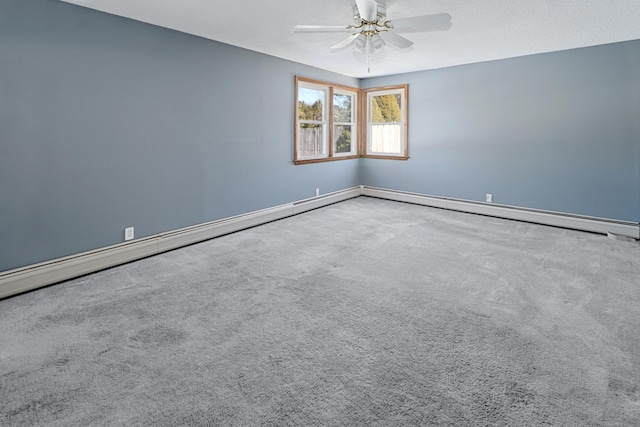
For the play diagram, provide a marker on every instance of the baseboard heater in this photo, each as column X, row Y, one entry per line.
column 23, row 279
column 557, row 219
column 20, row 280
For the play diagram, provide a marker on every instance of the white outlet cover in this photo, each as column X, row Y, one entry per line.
column 489, row 198
column 128, row 233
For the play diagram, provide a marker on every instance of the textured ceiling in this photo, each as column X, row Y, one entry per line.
column 482, row 30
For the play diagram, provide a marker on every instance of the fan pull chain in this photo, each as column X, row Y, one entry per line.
column 368, row 48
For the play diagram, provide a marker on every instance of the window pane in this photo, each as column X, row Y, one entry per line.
column 310, row 140
column 386, row 108
column 310, row 104
column 342, row 109
column 342, row 139
column 386, row 138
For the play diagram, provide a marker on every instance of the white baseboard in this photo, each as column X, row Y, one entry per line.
column 558, row 219
column 23, row 279
column 20, row 280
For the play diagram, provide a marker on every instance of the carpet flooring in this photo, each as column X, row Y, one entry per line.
column 363, row 313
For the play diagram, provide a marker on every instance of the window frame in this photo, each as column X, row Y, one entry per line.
column 367, row 96
column 354, row 123
column 327, row 122
column 361, row 115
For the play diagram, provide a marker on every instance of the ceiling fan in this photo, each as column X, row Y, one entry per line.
column 372, row 30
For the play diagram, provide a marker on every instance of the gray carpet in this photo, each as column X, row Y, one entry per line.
column 367, row 312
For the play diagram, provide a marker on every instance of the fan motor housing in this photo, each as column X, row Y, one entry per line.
column 382, row 12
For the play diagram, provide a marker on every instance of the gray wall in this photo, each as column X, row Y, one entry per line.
column 107, row 123
column 557, row 131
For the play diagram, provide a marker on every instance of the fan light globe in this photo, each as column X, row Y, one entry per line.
column 376, row 42
column 360, row 42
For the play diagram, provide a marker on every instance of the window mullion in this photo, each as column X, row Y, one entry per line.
column 330, row 121
column 362, row 122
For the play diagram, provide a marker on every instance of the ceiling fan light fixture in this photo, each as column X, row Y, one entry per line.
column 371, row 31
column 360, row 42
column 376, row 42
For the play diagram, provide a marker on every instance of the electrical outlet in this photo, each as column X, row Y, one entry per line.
column 128, row 233
column 317, row 191
column 489, row 198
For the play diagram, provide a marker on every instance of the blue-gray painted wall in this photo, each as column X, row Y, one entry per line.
column 557, row 131
column 107, row 123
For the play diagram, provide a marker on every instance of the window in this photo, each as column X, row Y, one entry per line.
column 312, row 121
column 336, row 122
column 386, row 130
column 345, row 126
column 325, row 112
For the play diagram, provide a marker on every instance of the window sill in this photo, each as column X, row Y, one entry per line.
column 364, row 156
column 374, row 156
column 325, row 159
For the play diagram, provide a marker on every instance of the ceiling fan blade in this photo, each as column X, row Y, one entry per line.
column 437, row 22
column 321, row 28
column 345, row 41
column 396, row 40
column 368, row 10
